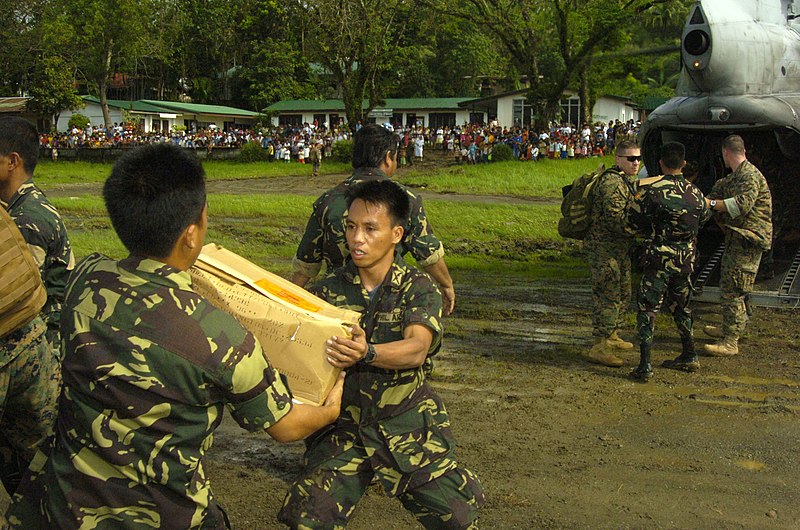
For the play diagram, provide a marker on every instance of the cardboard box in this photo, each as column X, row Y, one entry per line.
column 291, row 324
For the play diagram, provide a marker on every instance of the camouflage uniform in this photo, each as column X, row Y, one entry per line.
column 670, row 214
column 392, row 423
column 608, row 245
column 149, row 367
column 29, row 384
column 46, row 235
column 324, row 238
column 746, row 237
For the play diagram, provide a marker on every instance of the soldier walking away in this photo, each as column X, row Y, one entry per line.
column 669, row 215
column 742, row 204
column 37, row 219
column 148, row 368
column 374, row 158
column 393, row 425
column 316, row 157
column 608, row 245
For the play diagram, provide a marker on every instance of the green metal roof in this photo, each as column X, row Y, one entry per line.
column 198, row 108
column 651, row 102
column 328, row 105
column 153, row 105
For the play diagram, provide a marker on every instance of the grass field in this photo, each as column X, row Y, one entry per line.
column 489, row 235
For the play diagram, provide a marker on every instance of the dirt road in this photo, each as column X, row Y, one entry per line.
column 560, row 443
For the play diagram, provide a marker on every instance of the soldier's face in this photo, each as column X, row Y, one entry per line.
column 371, row 234
column 629, row 161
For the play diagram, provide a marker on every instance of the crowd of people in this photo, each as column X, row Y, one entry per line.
column 468, row 144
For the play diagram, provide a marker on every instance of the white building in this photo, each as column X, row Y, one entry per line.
column 157, row 116
column 429, row 112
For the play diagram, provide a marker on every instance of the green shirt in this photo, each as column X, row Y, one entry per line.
column 149, row 367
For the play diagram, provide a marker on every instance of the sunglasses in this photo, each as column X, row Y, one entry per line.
column 631, row 158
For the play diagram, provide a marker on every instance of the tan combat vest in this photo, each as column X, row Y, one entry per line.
column 22, row 294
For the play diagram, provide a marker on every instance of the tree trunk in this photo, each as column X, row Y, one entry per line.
column 583, row 93
column 102, row 85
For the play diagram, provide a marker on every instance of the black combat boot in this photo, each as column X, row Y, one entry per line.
column 644, row 371
column 686, row 361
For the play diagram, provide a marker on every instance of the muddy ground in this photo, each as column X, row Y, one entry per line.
column 560, row 443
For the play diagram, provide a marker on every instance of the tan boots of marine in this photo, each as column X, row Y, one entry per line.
column 725, row 348
column 601, row 353
column 616, row 342
column 714, row 331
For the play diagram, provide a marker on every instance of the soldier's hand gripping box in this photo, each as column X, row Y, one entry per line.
column 291, row 324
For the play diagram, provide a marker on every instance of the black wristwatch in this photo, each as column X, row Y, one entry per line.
column 369, row 357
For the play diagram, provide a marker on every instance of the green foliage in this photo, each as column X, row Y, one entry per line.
column 78, row 120
column 502, row 153
column 342, row 151
column 52, row 88
column 252, row 152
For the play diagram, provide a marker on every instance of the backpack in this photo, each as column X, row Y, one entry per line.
column 576, row 206
column 22, row 294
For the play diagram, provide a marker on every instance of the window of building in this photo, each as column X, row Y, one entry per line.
column 571, row 110
column 290, row 120
column 522, row 113
column 442, row 119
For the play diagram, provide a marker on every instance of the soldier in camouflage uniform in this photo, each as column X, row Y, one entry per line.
column 743, row 206
column 392, row 425
column 37, row 219
column 608, row 246
column 374, row 158
column 671, row 211
column 29, row 371
column 149, row 367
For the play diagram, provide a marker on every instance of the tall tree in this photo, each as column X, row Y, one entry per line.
column 52, row 88
column 360, row 43
column 551, row 41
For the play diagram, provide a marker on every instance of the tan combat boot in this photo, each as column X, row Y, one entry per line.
column 600, row 353
column 714, row 331
column 724, row 348
column 616, row 342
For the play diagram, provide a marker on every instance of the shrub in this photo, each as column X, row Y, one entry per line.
column 252, row 152
column 502, row 153
column 342, row 151
column 78, row 120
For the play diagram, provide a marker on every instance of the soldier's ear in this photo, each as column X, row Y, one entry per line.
column 397, row 233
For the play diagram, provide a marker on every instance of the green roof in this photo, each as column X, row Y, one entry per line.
column 136, row 106
column 328, row 105
column 651, row 102
column 198, row 108
column 152, row 105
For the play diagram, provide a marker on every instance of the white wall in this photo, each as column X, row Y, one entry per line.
column 93, row 111
column 607, row 109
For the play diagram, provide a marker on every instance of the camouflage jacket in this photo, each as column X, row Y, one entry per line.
column 399, row 418
column 612, row 200
column 669, row 214
column 748, row 189
column 18, row 340
column 149, row 367
column 46, row 235
column 324, row 238
column 407, row 296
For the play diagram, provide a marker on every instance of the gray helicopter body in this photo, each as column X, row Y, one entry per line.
column 740, row 74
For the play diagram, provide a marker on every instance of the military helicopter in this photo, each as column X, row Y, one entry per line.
column 740, row 75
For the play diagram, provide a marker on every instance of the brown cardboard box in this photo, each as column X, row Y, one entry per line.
column 291, row 324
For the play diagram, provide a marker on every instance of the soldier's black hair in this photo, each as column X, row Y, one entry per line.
column 383, row 192
column 673, row 155
column 371, row 144
column 18, row 135
column 153, row 193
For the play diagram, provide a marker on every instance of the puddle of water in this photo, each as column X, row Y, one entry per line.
column 751, row 465
column 748, row 380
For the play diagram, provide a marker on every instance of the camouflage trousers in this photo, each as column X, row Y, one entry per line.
column 610, row 268
column 737, row 277
column 657, row 285
column 29, row 388
column 415, row 463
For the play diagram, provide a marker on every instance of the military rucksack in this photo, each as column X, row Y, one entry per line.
column 576, row 206
column 22, row 294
